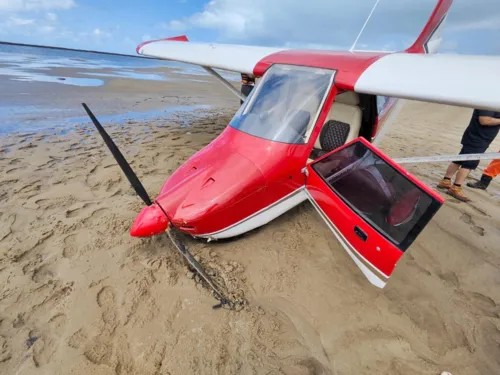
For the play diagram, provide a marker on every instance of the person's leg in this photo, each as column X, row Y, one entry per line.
column 456, row 189
column 445, row 182
column 461, row 176
column 491, row 171
column 246, row 90
column 452, row 169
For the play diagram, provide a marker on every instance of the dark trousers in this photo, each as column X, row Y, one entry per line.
column 246, row 90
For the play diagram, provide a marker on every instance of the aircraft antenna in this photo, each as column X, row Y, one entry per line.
column 363, row 28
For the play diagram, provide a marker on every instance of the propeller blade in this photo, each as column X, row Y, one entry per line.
column 124, row 165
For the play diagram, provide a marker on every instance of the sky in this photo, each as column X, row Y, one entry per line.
column 473, row 26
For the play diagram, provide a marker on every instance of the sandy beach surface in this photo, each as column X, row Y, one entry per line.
column 80, row 296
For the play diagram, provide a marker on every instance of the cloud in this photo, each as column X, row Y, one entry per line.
column 98, row 34
column 175, row 25
column 335, row 23
column 34, row 5
column 51, row 16
column 491, row 22
column 46, row 29
column 17, row 21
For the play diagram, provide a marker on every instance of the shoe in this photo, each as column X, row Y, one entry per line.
column 456, row 192
column 444, row 184
column 481, row 184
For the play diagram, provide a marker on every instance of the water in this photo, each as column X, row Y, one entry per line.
column 24, row 106
column 31, row 62
column 36, row 57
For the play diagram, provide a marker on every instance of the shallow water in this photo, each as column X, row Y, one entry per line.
column 23, row 107
column 55, row 124
column 17, row 74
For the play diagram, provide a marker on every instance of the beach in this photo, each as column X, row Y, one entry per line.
column 80, row 296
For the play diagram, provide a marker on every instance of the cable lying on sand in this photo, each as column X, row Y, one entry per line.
column 224, row 301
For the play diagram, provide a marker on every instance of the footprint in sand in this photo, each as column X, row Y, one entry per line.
column 5, row 352
column 70, row 249
column 467, row 219
column 106, row 300
column 48, row 339
column 43, row 274
column 97, row 214
column 109, row 347
column 99, row 349
column 484, row 304
column 78, row 209
column 6, row 226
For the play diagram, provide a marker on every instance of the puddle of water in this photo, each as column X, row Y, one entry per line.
column 130, row 74
column 21, row 75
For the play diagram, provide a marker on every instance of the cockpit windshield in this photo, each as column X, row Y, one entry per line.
column 285, row 104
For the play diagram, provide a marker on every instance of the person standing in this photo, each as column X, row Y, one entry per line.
column 247, row 84
column 491, row 171
column 482, row 130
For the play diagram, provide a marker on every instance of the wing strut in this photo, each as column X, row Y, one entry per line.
column 438, row 158
column 225, row 82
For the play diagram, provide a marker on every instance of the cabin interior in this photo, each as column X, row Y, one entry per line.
column 351, row 115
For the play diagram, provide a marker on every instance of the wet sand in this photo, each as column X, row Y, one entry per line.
column 80, row 296
column 25, row 102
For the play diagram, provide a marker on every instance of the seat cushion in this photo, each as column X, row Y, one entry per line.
column 333, row 135
column 347, row 114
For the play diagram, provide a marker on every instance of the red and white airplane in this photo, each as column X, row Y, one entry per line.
column 308, row 132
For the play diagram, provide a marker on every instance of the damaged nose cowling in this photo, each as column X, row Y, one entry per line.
column 150, row 221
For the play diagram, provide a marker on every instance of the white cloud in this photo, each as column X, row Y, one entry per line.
column 47, row 29
column 100, row 34
column 175, row 25
column 51, row 16
column 34, row 5
column 335, row 23
column 17, row 21
column 491, row 22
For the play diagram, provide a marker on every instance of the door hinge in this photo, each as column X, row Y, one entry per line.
column 305, row 171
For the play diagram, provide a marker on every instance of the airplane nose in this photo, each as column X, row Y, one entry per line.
column 150, row 221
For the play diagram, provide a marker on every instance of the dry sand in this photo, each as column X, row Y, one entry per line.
column 80, row 296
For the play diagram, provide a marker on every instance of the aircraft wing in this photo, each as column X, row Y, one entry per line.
column 462, row 80
column 236, row 58
column 418, row 73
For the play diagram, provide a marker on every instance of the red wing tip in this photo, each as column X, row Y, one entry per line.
column 180, row 38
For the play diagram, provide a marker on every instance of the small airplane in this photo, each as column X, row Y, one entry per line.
column 308, row 132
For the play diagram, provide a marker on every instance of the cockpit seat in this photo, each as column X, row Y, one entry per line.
column 342, row 124
column 333, row 135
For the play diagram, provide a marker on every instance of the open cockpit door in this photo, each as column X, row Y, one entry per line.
column 374, row 207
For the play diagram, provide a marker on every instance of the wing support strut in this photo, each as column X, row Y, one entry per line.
column 442, row 158
column 225, row 82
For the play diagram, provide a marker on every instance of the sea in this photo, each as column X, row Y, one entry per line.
column 20, row 64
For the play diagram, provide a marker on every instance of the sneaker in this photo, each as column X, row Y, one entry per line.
column 444, row 184
column 456, row 192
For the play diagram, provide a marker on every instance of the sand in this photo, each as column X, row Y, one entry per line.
column 80, row 296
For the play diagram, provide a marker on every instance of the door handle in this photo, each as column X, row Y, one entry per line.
column 360, row 233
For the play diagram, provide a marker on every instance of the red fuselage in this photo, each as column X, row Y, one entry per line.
column 234, row 176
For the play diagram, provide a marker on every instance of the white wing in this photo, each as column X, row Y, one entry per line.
column 461, row 80
column 236, row 58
